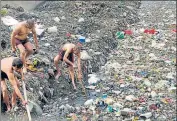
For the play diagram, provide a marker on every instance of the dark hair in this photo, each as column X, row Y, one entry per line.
column 30, row 22
column 17, row 62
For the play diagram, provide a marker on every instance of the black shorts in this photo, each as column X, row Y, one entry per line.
column 3, row 76
column 17, row 41
column 70, row 56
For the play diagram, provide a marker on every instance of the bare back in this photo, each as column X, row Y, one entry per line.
column 23, row 31
column 68, row 47
column 6, row 64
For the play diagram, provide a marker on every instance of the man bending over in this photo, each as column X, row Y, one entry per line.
column 66, row 53
column 8, row 66
column 19, row 40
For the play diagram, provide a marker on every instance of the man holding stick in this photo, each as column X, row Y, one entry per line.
column 8, row 67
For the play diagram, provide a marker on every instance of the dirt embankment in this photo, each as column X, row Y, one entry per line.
column 27, row 5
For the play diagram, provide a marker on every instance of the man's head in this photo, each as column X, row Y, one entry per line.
column 17, row 64
column 77, row 49
column 30, row 23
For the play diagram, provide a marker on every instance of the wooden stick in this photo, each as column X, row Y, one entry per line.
column 27, row 108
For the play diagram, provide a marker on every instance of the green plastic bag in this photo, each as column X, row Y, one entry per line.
column 120, row 35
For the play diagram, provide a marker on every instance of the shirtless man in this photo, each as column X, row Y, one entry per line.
column 19, row 40
column 8, row 66
column 67, row 54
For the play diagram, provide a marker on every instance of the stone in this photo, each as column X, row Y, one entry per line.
column 85, row 56
column 47, row 44
column 81, row 20
column 147, row 83
column 52, row 29
column 56, row 19
column 130, row 98
column 51, row 72
column 93, row 80
column 146, row 115
column 88, row 102
column 153, row 94
column 36, row 108
column 9, row 21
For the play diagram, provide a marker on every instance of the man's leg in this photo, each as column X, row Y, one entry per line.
column 71, row 72
column 29, row 49
column 14, row 95
column 22, row 56
column 56, row 61
column 5, row 94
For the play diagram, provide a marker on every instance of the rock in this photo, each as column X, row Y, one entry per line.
column 153, row 94
column 172, row 89
column 52, row 29
column 51, row 72
column 88, row 102
column 130, row 98
column 125, row 112
column 116, row 92
column 81, row 20
column 146, row 115
column 93, row 80
column 30, row 105
column 109, row 101
column 170, row 76
column 160, row 84
column 162, row 118
column 9, row 21
column 56, row 19
column 62, row 107
column 63, row 17
column 91, row 87
column 85, row 56
column 46, row 61
column 36, row 108
column 115, row 105
column 39, row 29
column 47, row 44
column 69, row 108
column 87, row 40
column 147, row 83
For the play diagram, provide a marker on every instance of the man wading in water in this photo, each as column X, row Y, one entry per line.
column 67, row 54
column 8, row 66
column 19, row 40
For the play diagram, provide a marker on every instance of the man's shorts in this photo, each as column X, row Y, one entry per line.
column 3, row 76
column 17, row 41
column 70, row 56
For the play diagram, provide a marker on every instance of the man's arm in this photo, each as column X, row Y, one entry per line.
column 14, row 33
column 14, row 84
column 79, row 63
column 66, row 59
column 35, row 37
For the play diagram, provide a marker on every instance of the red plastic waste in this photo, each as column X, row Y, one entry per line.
column 129, row 32
column 68, row 34
column 174, row 30
column 150, row 31
column 153, row 107
column 146, row 31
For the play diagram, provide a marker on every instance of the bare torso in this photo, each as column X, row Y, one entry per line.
column 68, row 47
column 24, row 31
column 6, row 64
